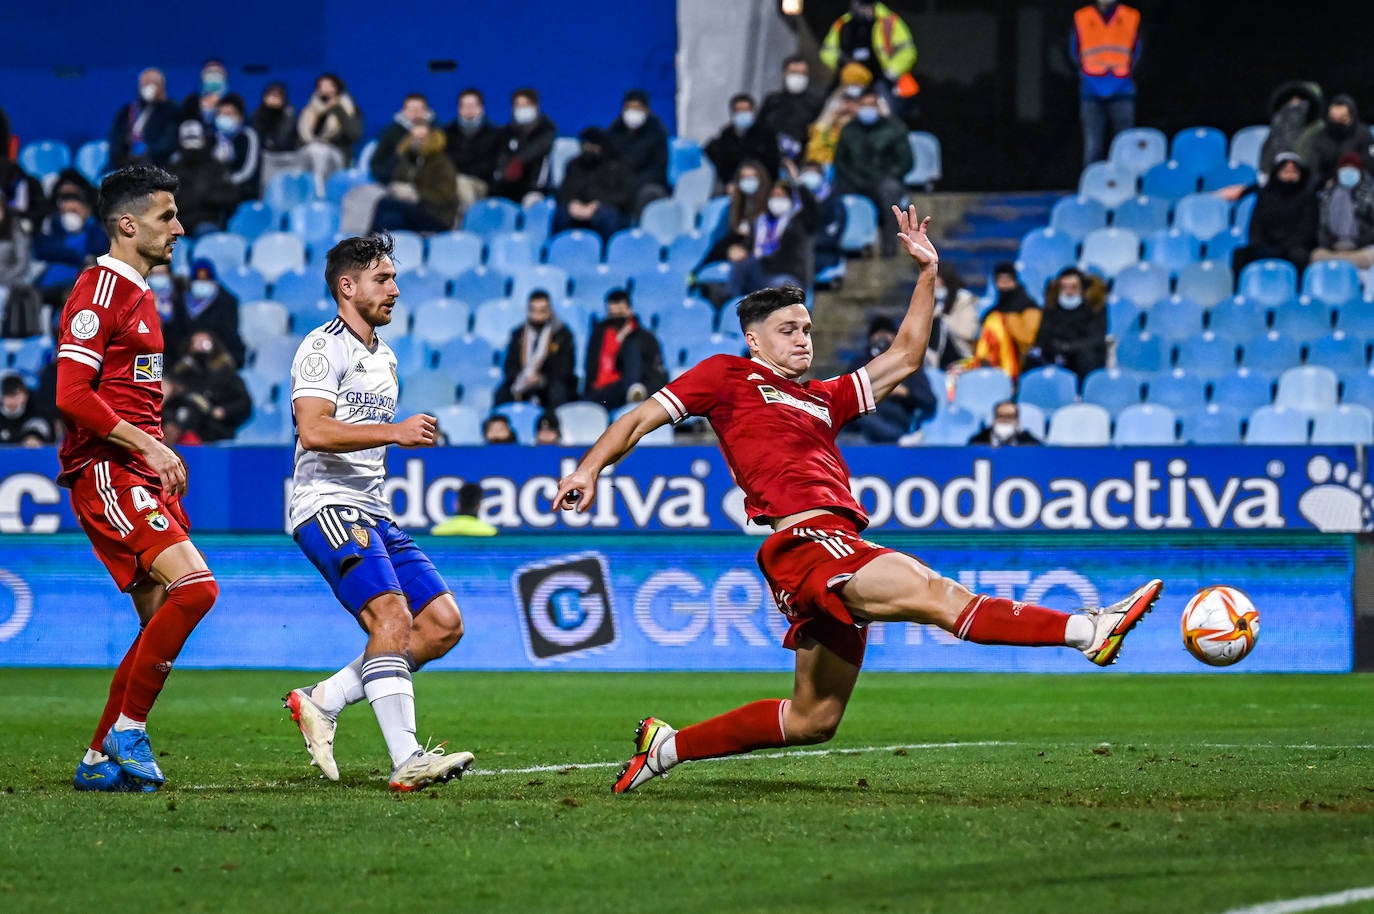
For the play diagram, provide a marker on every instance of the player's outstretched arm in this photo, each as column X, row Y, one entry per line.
column 908, row 349
column 320, row 431
column 615, row 442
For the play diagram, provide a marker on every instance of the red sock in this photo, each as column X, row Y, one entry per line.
column 997, row 620
column 188, row 600
column 118, row 684
column 757, row 725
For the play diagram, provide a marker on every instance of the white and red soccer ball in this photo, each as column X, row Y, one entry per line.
column 1220, row 625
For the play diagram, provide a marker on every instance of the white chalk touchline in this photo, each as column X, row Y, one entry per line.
column 1310, row 903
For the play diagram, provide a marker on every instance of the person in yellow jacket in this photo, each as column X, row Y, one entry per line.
column 1105, row 47
column 874, row 36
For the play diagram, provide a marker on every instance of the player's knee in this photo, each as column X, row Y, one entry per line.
column 387, row 616
column 817, row 725
column 195, row 594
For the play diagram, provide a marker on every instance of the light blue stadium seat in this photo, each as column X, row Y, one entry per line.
column 1245, row 389
column 1332, row 282
column 480, row 284
column 686, row 251
column 1228, row 175
column 661, row 284
column 287, row 189
column 1358, row 387
column 408, row 251
column 1345, row 424
column 427, row 391
column 952, row 427
column 712, row 217
column 1113, row 389
column 1080, row 425
column 1202, row 215
column 269, row 425
column 1237, row 318
column 1270, row 282
column 92, row 160
column 536, row 220
column 1270, row 352
column 421, row 286
column 1049, row 388
column 1198, row 150
column 1123, row 317
column 1107, row 182
column 44, row 157
column 573, row 249
column 494, row 320
column 565, row 149
column 551, row 279
column 1206, row 283
column 1246, row 144
column 1223, row 244
column 412, row 355
column 1340, row 352
column 1309, row 387
column 1179, row 389
column 1168, row 181
column 1357, row 319
column 468, row 358
column 314, row 220
column 254, row 218
column 338, row 184
column 580, row 424
column 364, row 162
column 1304, row 320
column 246, row 283
column 461, row 425
column 666, row 219
column 438, row 320
column 1213, row 423
column 1241, row 212
column 299, row 287
column 1035, row 275
column 400, row 321
column 694, row 187
column 1174, row 318
column 450, row 253
column 1171, row 249
column 1207, row 355
column 1142, row 283
column 632, row 250
column 1048, row 250
column 1075, row 217
column 1139, row 352
column 260, row 321
column 578, row 315
column 592, row 283
column 28, row 356
column 1142, row 215
column 928, row 160
column 491, row 216
column 306, row 316
column 1033, row 419
column 1139, row 149
column 1277, row 425
column 479, row 390
column 1145, row 424
column 275, row 355
column 980, row 389
column 275, row 253
column 684, row 154
column 263, row 388
column 860, row 224
column 689, row 322
column 227, row 252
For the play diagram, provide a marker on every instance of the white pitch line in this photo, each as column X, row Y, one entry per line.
column 1310, row 903
column 1356, row 746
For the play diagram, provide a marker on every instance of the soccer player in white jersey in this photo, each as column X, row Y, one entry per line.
column 343, row 393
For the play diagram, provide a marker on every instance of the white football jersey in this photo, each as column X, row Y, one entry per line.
column 333, row 364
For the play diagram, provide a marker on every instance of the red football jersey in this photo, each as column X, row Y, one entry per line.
column 777, row 435
column 111, row 338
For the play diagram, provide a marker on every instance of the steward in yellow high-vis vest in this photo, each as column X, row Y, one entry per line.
column 873, row 35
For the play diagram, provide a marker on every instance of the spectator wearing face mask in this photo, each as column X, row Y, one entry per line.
column 826, row 251
column 161, row 283
column 1005, row 430
column 21, row 422
column 624, row 358
column 145, row 130
column 1073, row 327
column 639, row 138
column 790, row 112
column 207, row 396
column 1009, row 327
column 909, row 405
column 784, row 241
column 203, row 305
column 954, row 327
column 1342, row 133
column 422, row 187
column 69, row 241
column 329, row 125
column 1295, row 110
column 598, row 189
column 540, row 358
column 749, row 193
column 414, row 110
column 274, row 121
column 473, row 146
column 526, row 144
column 207, row 195
column 872, row 160
column 1345, row 224
column 1284, row 222
column 236, row 145
column 839, row 110
column 744, row 139
column 203, row 104
column 22, row 308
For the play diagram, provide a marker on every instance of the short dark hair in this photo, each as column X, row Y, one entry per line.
column 525, row 92
column 618, row 295
column 12, row 384
column 741, row 97
column 494, row 418
column 335, row 79
column 540, row 293
column 128, row 190
column 1001, row 403
column 868, row 90
column 469, row 498
column 235, row 101
column 756, row 306
column 411, row 96
column 472, row 90
column 795, row 58
column 353, row 254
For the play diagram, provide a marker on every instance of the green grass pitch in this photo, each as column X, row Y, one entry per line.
column 1013, row 793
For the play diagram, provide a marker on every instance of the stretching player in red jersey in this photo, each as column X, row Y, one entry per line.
column 778, row 436
column 126, row 485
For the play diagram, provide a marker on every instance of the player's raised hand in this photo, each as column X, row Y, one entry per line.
column 419, row 430
column 576, row 492
column 169, row 467
column 911, row 231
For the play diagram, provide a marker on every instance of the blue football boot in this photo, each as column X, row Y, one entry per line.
column 133, row 752
column 104, row 776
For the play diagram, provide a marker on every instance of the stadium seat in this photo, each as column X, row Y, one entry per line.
column 364, row 161
column 1049, row 388
column 1345, row 424
column 1227, row 176
column 1179, row 389
column 491, row 216
column 1174, row 318
column 461, row 425
column 1173, row 250
column 1139, row 352
column 1302, row 320
column 1112, row 389
column 694, row 187
column 980, row 389
column 692, row 320
column 44, row 157
column 314, row 220
column 574, row 248
column 1033, row 419
column 952, row 427
column 480, row 284
column 1358, row 387
column 1206, row 283
column 1340, row 352
column 1211, row 424
column 422, row 285
column 591, row 284
column 1142, row 215
column 1245, row 390
column 1142, row 283
column 246, row 283
column 494, row 320
column 1107, row 182
column 1035, row 276
column 1081, row 425
column 298, row 288
column 1309, row 387
column 1198, row 150
column 438, row 320
column 263, row 388
column 1202, row 215
column 666, row 219
column 275, row 354
column 275, row 253
column 581, row 423
column 1207, row 355
column 1270, row 282
column 92, row 159
column 632, row 250
column 227, row 252
column 1332, row 282
column 1139, row 149
column 860, row 224
column 267, row 426
column 468, row 357
column 684, row 154
column 1144, row 424
column 479, row 390
column 260, row 321
column 659, row 285
column 450, row 253
column 1123, row 318
column 687, row 251
column 1168, row 181
column 1357, row 319
column 565, row 149
column 715, row 344
column 252, row 219
column 408, row 251
column 32, row 355
column 1223, row 244
column 306, row 316
column 1075, row 217
column 1246, row 144
column 1277, row 425
column 412, row 354
column 427, row 391
column 1048, row 250
column 1237, row 318
column 1241, row 212
column 337, row 185
column 1270, row 352
column 536, row 220
column 578, row 316
column 523, row 417
column 929, row 160
column 550, row 279
column 287, row 189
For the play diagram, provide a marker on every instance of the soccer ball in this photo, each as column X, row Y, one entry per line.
column 1220, row 626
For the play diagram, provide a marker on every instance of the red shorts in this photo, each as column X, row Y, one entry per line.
column 805, row 566
column 128, row 519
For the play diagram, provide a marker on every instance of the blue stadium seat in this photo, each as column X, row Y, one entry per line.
column 1302, row 320
column 1113, row 389
column 1048, row 250
column 1049, row 388
column 1241, row 212
column 1033, row 419
column 1332, row 282
column 275, row 354
column 1207, row 355
column 494, row 320
column 468, row 357
column 551, row 279
column 1108, row 182
column 227, row 252
column 1139, row 149
column 1139, row 352
column 1035, row 275
column 565, row 149
column 412, row 354
column 1345, row 424
column 288, row 188
column 684, row 154
column 1357, row 319
column 364, row 160
column 1202, row 215
column 491, row 216
column 694, row 187
column 860, row 224
column 269, row 425
column 461, row 425
column 253, row 218
column 1309, row 387
column 686, row 251
column 660, row 284
column 1237, row 318
column 1246, row 144
column 712, row 216
column 1142, row 215
column 1123, row 317
column 1270, row 352
column 306, row 316
column 580, row 424
column 980, row 389
column 408, row 251
column 1206, row 283
column 591, row 284
column 1227, row 176
column 92, row 159
column 1358, row 387
column 633, row 250
column 1245, row 389
column 450, row 253
column 666, row 219
column 44, row 157
column 1168, row 181
column 1340, row 352
column 952, row 427
column 578, row 316
column 1174, row 318
column 1270, row 282
column 260, row 321
column 400, row 320
column 480, row 284
column 427, row 391
column 536, row 220
column 1223, row 244
column 31, row 355
column 694, row 319
column 524, row 417
column 438, row 320
column 1211, row 424
column 299, row 287
column 574, row 248
column 1173, row 250
column 1145, row 424
column 1198, row 150
column 1142, row 283
column 422, row 285
column 479, row 390
column 1277, row 425
column 337, row 185
column 263, row 388
column 275, row 253
column 1077, row 216
column 716, row 344
column 1179, row 389
column 1080, row 425
column 314, row 220
column 246, row 283
column 928, row 158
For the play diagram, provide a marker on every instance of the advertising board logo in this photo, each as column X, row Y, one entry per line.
column 565, row 606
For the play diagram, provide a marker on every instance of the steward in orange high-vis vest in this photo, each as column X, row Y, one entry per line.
column 1105, row 47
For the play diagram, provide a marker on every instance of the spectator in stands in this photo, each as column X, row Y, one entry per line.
column 1104, row 47
column 145, row 130
column 784, row 242
column 1345, row 225
column 465, row 521
column 497, row 430
column 826, row 251
column 237, row 146
column 422, row 187
column 1005, row 430
column 274, row 121
column 639, row 138
column 1010, row 327
column 598, row 191
column 1343, row 132
column 162, row 284
column 872, row 160
column 21, row 421
column 1284, row 223
column 527, row 142
column 1073, row 326
column 70, row 240
column 23, row 196
column 208, row 398
column 207, row 195
column 22, row 309
column 749, row 193
column 548, row 430
column 330, row 124
column 624, row 359
column 911, row 402
column 744, row 139
column 473, row 144
column 790, row 112
column 1295, row 111
column 203, row 305
column 203, row 105
column 540, row 358
column 414, row 111
column 839, row 110
column 954, row 328
column 875, row 38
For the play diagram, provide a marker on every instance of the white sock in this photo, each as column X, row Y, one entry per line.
column 667, row 754
column 339, row 691
column 93, row 757
column 1079, row 632
column 388, row 686
column 125, row 723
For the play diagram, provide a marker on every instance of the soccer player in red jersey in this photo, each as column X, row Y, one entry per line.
column 126, row 484
column 778, row 436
